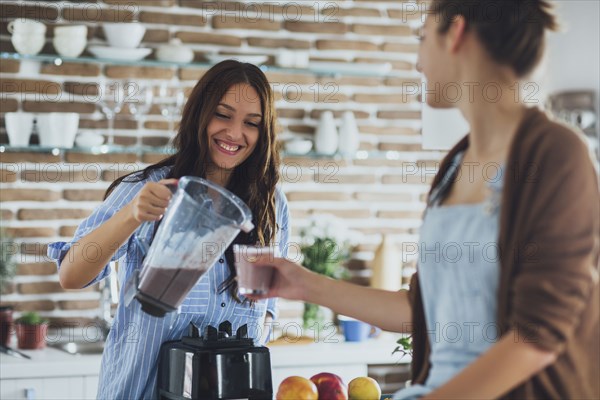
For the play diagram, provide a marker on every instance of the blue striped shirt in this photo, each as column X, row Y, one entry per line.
column 130, row 360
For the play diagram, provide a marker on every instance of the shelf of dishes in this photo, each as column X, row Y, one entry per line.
column 124, row 38
column 318, row 68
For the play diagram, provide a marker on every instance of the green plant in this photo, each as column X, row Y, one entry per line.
column 7, row 260
column 31, row 318
column 326, row 245
column 404, row 346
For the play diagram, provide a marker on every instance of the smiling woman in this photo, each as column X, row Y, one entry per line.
column 234, row 131
column 227, row 136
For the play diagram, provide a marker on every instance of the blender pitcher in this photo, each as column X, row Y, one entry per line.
column 201, row 221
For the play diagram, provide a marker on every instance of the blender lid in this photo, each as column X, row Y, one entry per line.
column 220, row 337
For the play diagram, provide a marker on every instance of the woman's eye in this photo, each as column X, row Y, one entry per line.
column 252, row 124
column 221, row 115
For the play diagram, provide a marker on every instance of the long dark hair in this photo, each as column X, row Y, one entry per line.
column 512, row 31
column 254, row 180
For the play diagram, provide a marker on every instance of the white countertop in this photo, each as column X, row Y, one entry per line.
column 48, row 362
column 52, row 362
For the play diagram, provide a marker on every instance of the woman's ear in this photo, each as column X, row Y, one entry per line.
column 456, row 34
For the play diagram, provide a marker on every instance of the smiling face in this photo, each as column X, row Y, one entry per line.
column 234, row 129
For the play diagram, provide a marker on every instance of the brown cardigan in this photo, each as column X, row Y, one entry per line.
column 549, row 248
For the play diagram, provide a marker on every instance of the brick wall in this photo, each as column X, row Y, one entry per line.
column 44, row 196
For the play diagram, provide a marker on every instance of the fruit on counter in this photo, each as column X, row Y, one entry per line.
column 330, row 386
column 297, row 388
column 364, row 388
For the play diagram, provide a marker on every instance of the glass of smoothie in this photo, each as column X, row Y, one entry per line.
column 253, row 273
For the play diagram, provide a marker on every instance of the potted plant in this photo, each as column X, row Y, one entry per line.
column 326, row 245
column 7, row 271
column 31, row 331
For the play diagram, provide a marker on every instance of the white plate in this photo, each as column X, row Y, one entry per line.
column 117, row 53
column 350, row 67
column 252, row 59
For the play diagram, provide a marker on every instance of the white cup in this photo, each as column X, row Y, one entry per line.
column 28, row 44
column 301, row 59
column 285, row 59
column 18, row 128
column 68, row 46
column 72, row 31
column 57, row 129
column 124, row 34
column 24, row 25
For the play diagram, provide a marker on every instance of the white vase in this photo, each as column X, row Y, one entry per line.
column 349, row 135
column 326, row 136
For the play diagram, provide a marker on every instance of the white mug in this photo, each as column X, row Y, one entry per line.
column 28, row 44
column 25, row 25
column 57, row 129
column 18, row 128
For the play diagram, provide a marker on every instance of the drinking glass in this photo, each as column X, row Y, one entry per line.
column 254, row 278
column 111, row 101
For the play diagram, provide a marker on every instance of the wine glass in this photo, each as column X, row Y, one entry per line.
column 111, row 103
column 172, row 108
column 138, row 99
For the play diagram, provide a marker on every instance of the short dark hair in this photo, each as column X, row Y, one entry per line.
column 512, row 31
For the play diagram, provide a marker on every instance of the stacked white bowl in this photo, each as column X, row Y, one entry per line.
column 126, row 35
column 70, row 41
column 28, row 35
column 123, row 39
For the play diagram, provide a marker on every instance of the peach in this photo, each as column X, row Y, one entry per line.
column 364, row 388
column 330, row 386
column 297, row 388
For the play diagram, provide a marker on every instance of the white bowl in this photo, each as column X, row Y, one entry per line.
column 89, row 139
column 57, row 129
column 246, row 58
column 298, row 146
column 28, row 44
column 68, row 46
column 72, row 31
column 18, row 128
column 119, row 54
column 124, row 34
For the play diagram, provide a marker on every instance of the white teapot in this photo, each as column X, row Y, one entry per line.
column 175, row 51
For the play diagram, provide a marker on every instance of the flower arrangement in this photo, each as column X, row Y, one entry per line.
column 326, row 243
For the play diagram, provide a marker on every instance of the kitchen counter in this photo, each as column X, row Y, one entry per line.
column 52, row 362
column 337, row 351
column 55, row 368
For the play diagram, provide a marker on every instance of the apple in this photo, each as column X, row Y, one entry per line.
column 297, row 388
column 364, row 388
column 330, row 386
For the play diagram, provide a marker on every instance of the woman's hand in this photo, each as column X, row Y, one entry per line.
column 151, row 202
column 290, row 280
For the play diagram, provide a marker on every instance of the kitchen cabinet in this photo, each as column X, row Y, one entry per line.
column 45, row 388
column 50, row 374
